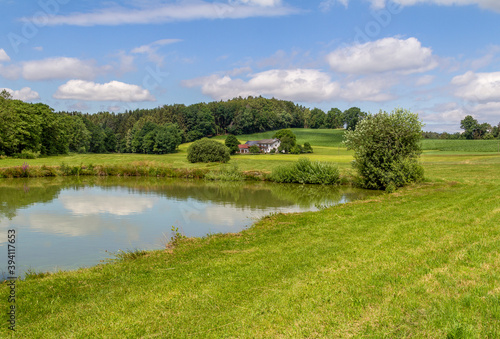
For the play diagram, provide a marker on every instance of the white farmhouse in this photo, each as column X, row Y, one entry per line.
column 265, row 145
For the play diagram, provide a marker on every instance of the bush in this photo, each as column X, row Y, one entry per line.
column 254, row 149
column 307, row 148
column 206, row 150
column 305, row 171
column 297, row 149
column 386, row 149
column 27, row 154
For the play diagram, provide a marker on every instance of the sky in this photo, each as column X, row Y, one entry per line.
column 437, row 58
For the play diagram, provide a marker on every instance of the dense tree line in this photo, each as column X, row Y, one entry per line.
column 37, row 128
column 473, row 130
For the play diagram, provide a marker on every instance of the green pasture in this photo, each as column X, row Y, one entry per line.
column 326, row 143
column 423, row 262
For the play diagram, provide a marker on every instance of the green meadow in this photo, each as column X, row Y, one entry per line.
column 423, row 262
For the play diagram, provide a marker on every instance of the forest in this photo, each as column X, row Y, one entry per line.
column 29, row 130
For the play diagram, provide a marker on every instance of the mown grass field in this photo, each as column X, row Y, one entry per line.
column 327, row 145
column 461, row 145
column 423, row 262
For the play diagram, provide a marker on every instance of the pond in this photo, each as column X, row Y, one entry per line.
column 67, row 223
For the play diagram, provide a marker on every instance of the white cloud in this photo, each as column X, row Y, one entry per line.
column 117, row 205
column 111, row 91
column 265, row 3
column 388, row 54
column 179, row 11
column 308, row 85
column 303, row 85
column 425, row 80
column 11, row 71
column 79, row 106
column 62, row 68
column 486, row 4
column 487, row 112
column 24, row 94
column 446, row 117
column 375, row 89
column 114, row 108
column 450, row 113
column 151, row 49
column 478, row 87
column 326, row 5
column 3, row 56
column 240, row 70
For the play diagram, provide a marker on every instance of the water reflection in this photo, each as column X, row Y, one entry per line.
column 88, row 202
column 71, row 222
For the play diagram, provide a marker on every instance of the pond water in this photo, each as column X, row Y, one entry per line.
column 67, row 223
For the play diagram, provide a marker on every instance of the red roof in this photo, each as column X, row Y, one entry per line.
column 243, row 146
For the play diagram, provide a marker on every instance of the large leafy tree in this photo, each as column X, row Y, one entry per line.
column 143, row 136
column 286, row 144
column 199, row 122
column 469, row 125
column 33, row 127
column 54, row 137
column 97, row 137
column 20, row 127
column 77, row 133
column 386, row 149
column 232, row 143
column 285, row 133
column 352, row 117
column 167, row 139
column 495, row 131
column 317, row 118
column 334, row 118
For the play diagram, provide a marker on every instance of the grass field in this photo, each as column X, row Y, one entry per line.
column 316, row 137
column 462, row 145
column 327, row 145
column 423, row 262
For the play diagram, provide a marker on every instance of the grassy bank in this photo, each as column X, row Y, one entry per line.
column 424, row 262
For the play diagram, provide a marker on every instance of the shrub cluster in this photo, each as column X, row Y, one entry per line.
column 206, row 150
column 27, row 154
column 305, row 171
column 386, row 150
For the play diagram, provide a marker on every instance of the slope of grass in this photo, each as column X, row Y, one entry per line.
column 316, row 137
column 461, row 145
column 334, row 138
column 423, row 262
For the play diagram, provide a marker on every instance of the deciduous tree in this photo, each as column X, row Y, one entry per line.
column 386, row 149
column 232, row 143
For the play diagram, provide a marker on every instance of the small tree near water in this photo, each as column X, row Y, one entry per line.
column 386, row 149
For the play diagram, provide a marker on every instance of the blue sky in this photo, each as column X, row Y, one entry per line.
column 439, row 58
